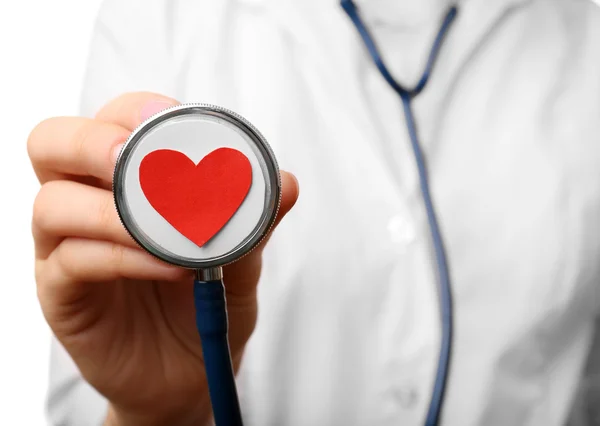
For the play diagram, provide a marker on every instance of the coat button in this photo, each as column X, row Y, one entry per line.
column 401, row 230
column 406, row 397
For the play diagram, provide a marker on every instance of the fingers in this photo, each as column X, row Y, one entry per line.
column 79, row 260
column 70, row 209
column 131, row 109
column 81, row 236
column 63, row 147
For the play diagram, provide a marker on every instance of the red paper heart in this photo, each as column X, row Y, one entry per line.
column 197, row 200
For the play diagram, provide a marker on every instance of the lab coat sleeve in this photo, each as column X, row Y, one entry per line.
column 128, row 53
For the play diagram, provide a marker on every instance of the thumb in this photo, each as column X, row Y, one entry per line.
column 244, row 274
column 290, row 190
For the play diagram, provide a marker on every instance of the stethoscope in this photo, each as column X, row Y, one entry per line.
column 198, row 186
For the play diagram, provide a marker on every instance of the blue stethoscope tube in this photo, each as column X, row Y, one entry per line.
column 209, row 296
column 211, row 321
column 445, row 289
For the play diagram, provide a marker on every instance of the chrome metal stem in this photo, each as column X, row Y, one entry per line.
column 209, row 274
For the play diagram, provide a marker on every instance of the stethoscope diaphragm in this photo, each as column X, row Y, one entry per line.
column 197, row 186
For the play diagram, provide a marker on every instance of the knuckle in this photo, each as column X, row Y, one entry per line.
column 36, row 138
column 45, row 282
column 79, row 141
column 117, row 254
column 64, row 258
column 41, row 281
column 120, row 105
column 39, row 273
column 42, row 216
column 106, row 213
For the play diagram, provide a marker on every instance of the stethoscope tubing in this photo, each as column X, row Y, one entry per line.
column 444, row 283
column 212, row 324
column 209, row 296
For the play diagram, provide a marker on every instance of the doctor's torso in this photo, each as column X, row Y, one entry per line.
column 348, row 330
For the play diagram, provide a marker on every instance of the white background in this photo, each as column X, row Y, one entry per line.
column 43, row 45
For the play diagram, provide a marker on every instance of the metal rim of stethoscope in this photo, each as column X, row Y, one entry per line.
column 264, row 155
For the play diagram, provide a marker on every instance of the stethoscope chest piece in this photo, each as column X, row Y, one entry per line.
column 197, row 186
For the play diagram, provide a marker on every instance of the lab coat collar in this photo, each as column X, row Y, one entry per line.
column 475, row 18
column 409, row 14
column 393, row 12
column 475, row 22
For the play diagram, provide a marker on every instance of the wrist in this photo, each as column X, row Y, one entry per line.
column 120, row 417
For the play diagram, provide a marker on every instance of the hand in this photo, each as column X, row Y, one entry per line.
column 126, row 318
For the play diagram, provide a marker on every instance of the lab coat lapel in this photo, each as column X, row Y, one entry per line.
column 475, row 23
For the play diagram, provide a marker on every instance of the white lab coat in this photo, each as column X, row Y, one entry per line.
column 348, row 330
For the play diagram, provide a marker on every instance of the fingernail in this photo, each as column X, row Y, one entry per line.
column 153, row 107
column 115, row 152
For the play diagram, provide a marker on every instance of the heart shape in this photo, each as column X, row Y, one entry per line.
column 197, row 200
